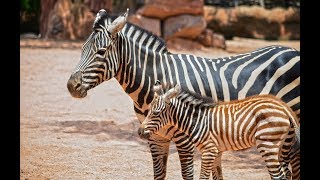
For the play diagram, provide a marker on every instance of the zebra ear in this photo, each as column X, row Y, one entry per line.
column 118, row 23
column 99, row 22
column 173, row 92
column 157, row 88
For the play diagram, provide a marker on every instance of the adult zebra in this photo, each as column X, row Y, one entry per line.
column 136, row 58
column 263, row 121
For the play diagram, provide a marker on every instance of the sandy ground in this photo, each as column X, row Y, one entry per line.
column 96, row 137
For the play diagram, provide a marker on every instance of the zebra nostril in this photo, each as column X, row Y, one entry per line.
column 77, row 86
column 140, row 131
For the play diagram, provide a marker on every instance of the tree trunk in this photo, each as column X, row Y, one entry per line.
column 96, row 5
column 69, row 19
column 46, row 8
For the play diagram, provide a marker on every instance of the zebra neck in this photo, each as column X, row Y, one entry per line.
column 140, row 53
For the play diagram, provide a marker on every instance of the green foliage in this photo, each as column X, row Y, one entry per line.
column 30, row 5
column 29, row 16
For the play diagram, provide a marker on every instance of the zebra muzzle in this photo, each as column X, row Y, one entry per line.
column 75, row 86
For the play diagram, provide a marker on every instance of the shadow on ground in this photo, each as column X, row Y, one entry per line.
column 111, row 130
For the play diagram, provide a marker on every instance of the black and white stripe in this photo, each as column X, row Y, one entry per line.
column 136, row 58
column 263, row 121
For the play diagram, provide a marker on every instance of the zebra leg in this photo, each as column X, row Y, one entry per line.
column 159, row 148
column 290, row 154
column 295, row 158
column 216, row 170
column 209, row 154
column 295, row 165
column 285, row 159
column 185, row 148
column 271, row 154
column 218, row 166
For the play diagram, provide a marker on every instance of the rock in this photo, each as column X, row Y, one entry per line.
column 166, row 8
column 210, row 39
column 223, row 16
column 206, row 38
column 218, row 41
column 186, row 26
column 183, row 44
column 96, row 5
column 67, row 20
column 29, row 36
column 254, row 22
column 150, row 24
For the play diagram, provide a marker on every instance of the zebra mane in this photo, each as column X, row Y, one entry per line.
column 186, row 96
column 162, row 42
column 104, row 19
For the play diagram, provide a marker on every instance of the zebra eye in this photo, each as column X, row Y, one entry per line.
column 101, row 52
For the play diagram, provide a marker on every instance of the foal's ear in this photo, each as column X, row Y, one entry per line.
column 173, row 92
column 157, row 88
column 118, row 23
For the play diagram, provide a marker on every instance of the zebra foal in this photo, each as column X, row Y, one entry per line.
column 263, row 121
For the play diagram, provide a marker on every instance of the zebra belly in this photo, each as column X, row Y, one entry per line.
column 236, row 145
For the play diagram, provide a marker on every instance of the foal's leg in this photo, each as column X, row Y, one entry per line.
column 217, row 165
column 209, row 154
column 270, row 154
column 295, row 165
column 295, row 159
column 185, row 148
column 159, row 148
column 290, row 154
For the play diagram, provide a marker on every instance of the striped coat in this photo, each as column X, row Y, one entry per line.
column 136, row 58
column 263, row 121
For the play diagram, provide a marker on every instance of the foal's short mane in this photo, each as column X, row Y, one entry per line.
column 189, row 97
column 192, row 98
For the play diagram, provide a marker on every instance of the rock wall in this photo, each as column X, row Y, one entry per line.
column 66, row 19
column 254, row 22
column 179, row 21
column 163, row 9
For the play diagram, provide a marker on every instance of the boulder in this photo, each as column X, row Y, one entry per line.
column 205, row 38
column 150, row 24
column 65, row 19
column 183, row 44
column 218, row 41
column 96, row 5
column 166, row 8
column 254, row 22
column 185, row 26
column 210, row 39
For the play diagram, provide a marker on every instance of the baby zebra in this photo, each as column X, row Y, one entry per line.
column 263, row 121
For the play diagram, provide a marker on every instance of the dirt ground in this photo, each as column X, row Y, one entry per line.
column 96, row 137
